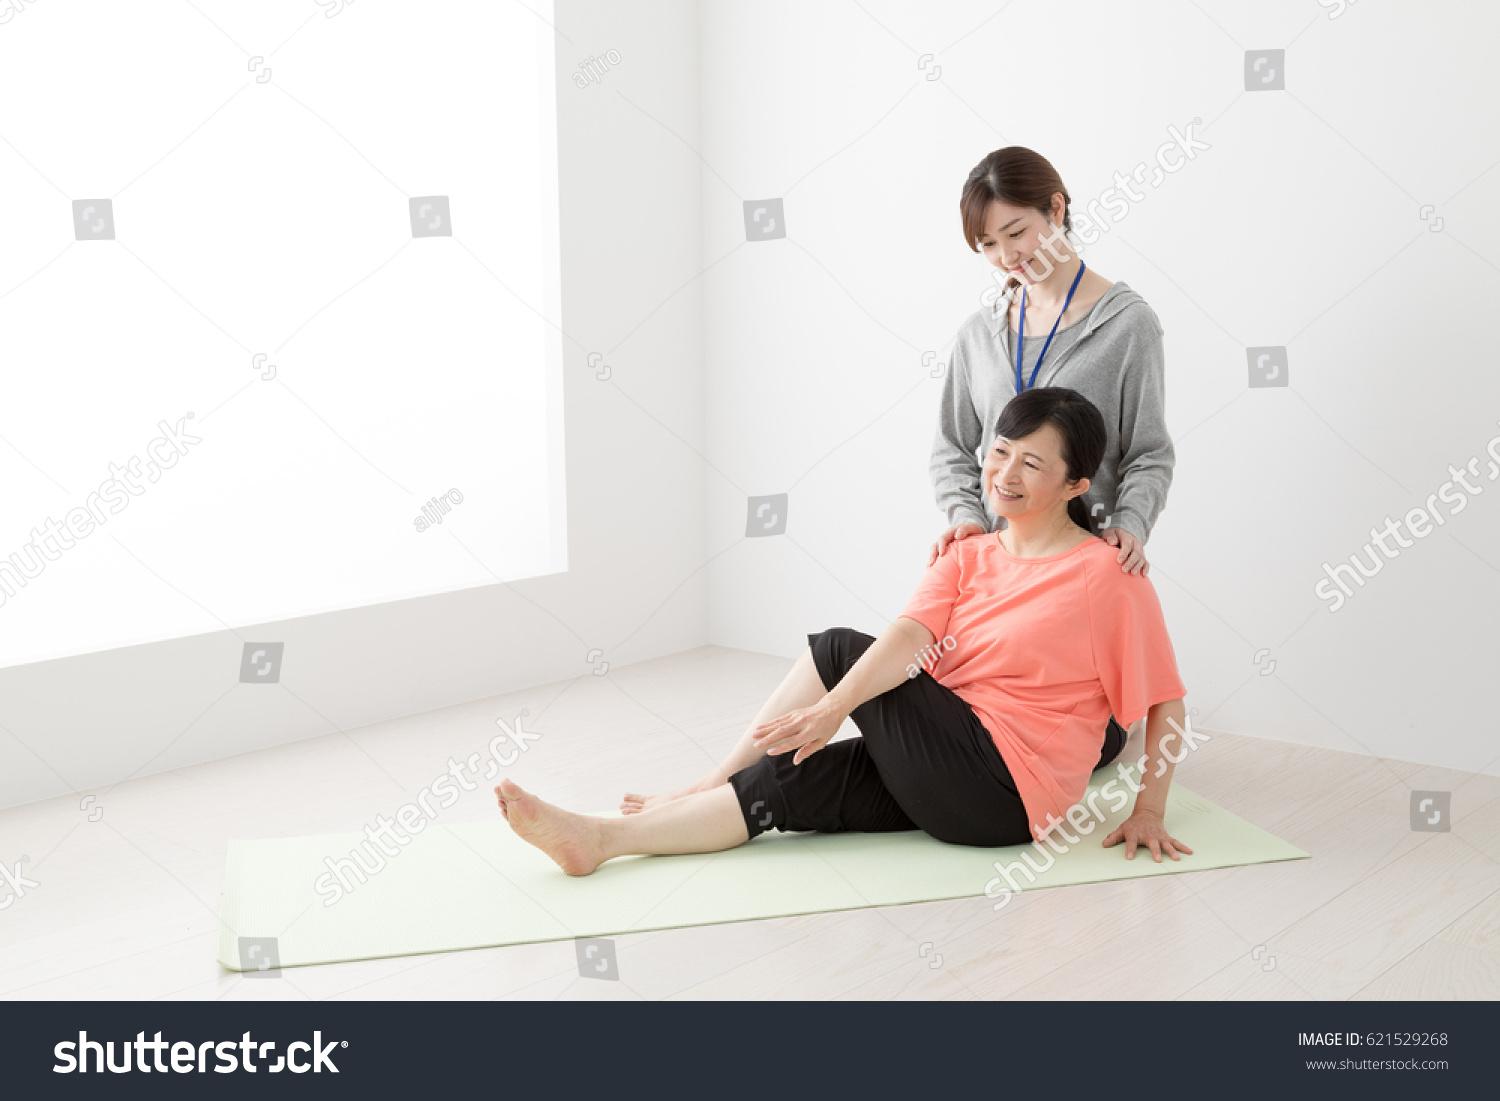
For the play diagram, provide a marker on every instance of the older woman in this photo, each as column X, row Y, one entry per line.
column 981, row 709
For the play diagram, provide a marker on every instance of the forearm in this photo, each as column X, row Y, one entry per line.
column 956, row 489
column 883, row 666
column 1142, row 494
column 953, row 466
column 1156, row 776
column 1147, row 455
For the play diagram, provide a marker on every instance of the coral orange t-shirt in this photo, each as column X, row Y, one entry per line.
column 1044, row 650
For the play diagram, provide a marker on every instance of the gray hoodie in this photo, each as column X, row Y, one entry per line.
column 1114, row 358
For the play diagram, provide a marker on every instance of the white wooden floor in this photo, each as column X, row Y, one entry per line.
column 127, row 904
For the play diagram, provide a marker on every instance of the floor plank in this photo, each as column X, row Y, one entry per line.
column 127, row 902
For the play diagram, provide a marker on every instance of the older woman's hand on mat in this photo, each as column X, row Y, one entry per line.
column 1146, row 828
column 1132, row 556
column 958, row 531
column 806, row 729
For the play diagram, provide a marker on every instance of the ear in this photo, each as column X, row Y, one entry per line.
column 1079, row 488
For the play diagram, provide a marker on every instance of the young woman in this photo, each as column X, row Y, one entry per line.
column 1056, row 322
column 1080, row 330
column 980, row 708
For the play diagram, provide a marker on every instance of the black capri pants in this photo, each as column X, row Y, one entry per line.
column 923, row 761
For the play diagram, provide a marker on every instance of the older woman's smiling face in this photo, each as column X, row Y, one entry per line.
column 1028, row 476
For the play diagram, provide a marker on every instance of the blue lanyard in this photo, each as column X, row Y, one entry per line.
column 1021, row 336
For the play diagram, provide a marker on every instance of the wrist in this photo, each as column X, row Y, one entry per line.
column 835, row 704
column 1130, row 525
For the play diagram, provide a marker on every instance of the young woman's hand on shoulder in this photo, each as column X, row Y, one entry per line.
column 1132, row 556
column 958, row 531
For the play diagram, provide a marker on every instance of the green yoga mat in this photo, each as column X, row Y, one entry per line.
column 477, row 885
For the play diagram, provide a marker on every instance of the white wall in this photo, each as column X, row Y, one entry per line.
column 635, row 490
column 796, row 365
column 1300, row 227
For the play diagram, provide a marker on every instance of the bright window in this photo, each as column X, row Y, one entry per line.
column 331, row 240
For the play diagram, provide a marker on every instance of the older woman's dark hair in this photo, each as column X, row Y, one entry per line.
column 1076, row 419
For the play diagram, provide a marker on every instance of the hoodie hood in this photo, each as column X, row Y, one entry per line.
column 1117, row 298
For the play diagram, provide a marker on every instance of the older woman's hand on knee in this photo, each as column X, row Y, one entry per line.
column 805, row 729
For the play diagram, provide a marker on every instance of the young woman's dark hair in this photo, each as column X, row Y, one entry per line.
column 1076, row 419
column 1016, row 176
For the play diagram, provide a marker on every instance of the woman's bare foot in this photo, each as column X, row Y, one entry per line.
column 569, row 839
column 634, row 804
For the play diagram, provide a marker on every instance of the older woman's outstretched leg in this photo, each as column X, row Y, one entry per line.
column 928, row 740
column 802, row 687
column 702, row 822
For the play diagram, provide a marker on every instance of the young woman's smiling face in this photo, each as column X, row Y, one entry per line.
column 1015, row 236
column 1028, row 476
